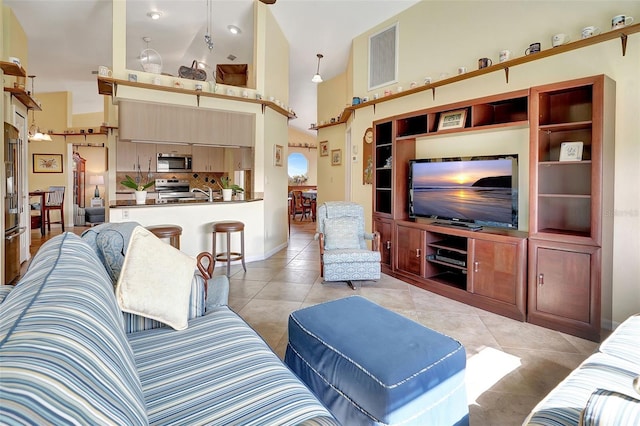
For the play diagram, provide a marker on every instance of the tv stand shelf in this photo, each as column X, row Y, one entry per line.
column 486, row 268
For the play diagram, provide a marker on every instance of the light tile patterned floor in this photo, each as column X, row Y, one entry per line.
column 511, row 365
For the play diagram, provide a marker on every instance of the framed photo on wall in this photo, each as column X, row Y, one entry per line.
column 324, row 148
column 452, row 119
column 47, row 163
column 277, row 155
column 336, row 157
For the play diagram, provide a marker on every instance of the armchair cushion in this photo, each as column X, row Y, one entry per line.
column 341, row 233
column 162, row 291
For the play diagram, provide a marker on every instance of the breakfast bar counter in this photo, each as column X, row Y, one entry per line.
column 196, row 218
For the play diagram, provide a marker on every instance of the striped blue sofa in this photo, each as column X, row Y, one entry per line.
column 65, row 358
column 603, row 390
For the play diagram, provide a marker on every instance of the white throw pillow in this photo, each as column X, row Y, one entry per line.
column 155, row 280
column 341, row 233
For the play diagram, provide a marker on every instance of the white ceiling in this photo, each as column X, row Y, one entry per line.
column 68, row 39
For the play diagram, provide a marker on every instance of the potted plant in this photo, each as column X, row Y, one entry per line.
column 138, row 186
column 228, row 188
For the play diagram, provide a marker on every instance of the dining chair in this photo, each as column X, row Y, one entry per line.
column 301, row 205
column 54, row 201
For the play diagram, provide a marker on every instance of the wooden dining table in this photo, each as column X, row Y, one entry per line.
column 41, row 195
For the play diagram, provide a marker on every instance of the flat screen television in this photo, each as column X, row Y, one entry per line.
column 473, row 192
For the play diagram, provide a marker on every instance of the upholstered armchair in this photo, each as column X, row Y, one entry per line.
column 344, row 255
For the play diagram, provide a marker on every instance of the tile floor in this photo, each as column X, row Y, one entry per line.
column 510, row 365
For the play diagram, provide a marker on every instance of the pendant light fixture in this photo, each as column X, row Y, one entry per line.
column 34, row 133
column 316, row 78
column 208, row 39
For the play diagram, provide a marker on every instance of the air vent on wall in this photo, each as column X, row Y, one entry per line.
column 383, row 57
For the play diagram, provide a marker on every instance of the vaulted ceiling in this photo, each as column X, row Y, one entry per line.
column 68, row 39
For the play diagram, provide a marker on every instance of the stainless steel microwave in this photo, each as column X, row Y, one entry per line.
column 174, row 163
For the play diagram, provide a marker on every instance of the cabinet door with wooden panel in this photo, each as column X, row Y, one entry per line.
column 493, row 270
column 208, row 159
column 498, row 272
column 131, row 156
column 146, row 156
column 126, row 160
column 385, row 228
column 210, row 127
column 170, row 148
column 242, row 129
column 410, row 249
column 564, row 287
column 242, row 158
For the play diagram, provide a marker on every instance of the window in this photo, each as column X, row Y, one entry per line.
column 383, row 57
column 298, row 169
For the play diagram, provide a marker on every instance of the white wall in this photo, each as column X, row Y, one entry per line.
column 438, row 36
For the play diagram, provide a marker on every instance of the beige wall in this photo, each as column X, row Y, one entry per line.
column 52, row 117
column 431, row 43
column 14, row 41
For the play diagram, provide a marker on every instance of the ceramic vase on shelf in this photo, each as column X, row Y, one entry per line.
column 226, row 194
column 141, row 197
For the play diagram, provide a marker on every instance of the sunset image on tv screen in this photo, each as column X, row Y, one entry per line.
column 467, row 190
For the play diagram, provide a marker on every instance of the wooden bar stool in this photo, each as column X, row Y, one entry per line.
column 228, row 226
column 172, row 232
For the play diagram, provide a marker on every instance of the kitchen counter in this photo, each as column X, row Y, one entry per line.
column 175, row 202
column 196, row 218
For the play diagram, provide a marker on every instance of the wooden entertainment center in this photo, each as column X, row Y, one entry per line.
column 558, row 274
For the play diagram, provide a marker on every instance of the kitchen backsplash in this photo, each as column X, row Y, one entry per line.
column 196, row 180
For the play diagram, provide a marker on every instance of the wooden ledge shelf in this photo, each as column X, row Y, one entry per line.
column 109, row 87
column 24, row 98
column 621, row 33
column 9, row 68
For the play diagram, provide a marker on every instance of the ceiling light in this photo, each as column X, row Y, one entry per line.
column 154, row 14
column 208, row 40
column 34, row 134
column 316, row 78
column 234, row 30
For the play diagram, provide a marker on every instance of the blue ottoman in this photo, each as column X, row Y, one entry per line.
column 371, row 366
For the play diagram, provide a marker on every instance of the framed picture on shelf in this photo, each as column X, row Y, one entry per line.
column 277, row 155
column 336, row 157
column 571, row 151
column 324, row 148
column 47, row 163
column 452, row 119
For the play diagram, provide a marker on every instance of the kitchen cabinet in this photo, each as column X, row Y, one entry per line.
column 211, row 127
column 157, row 122
column 131, row 157
column 208, row 159
column 169, row 148
column 241, row 129
column 147, row 121
column 242, row 158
